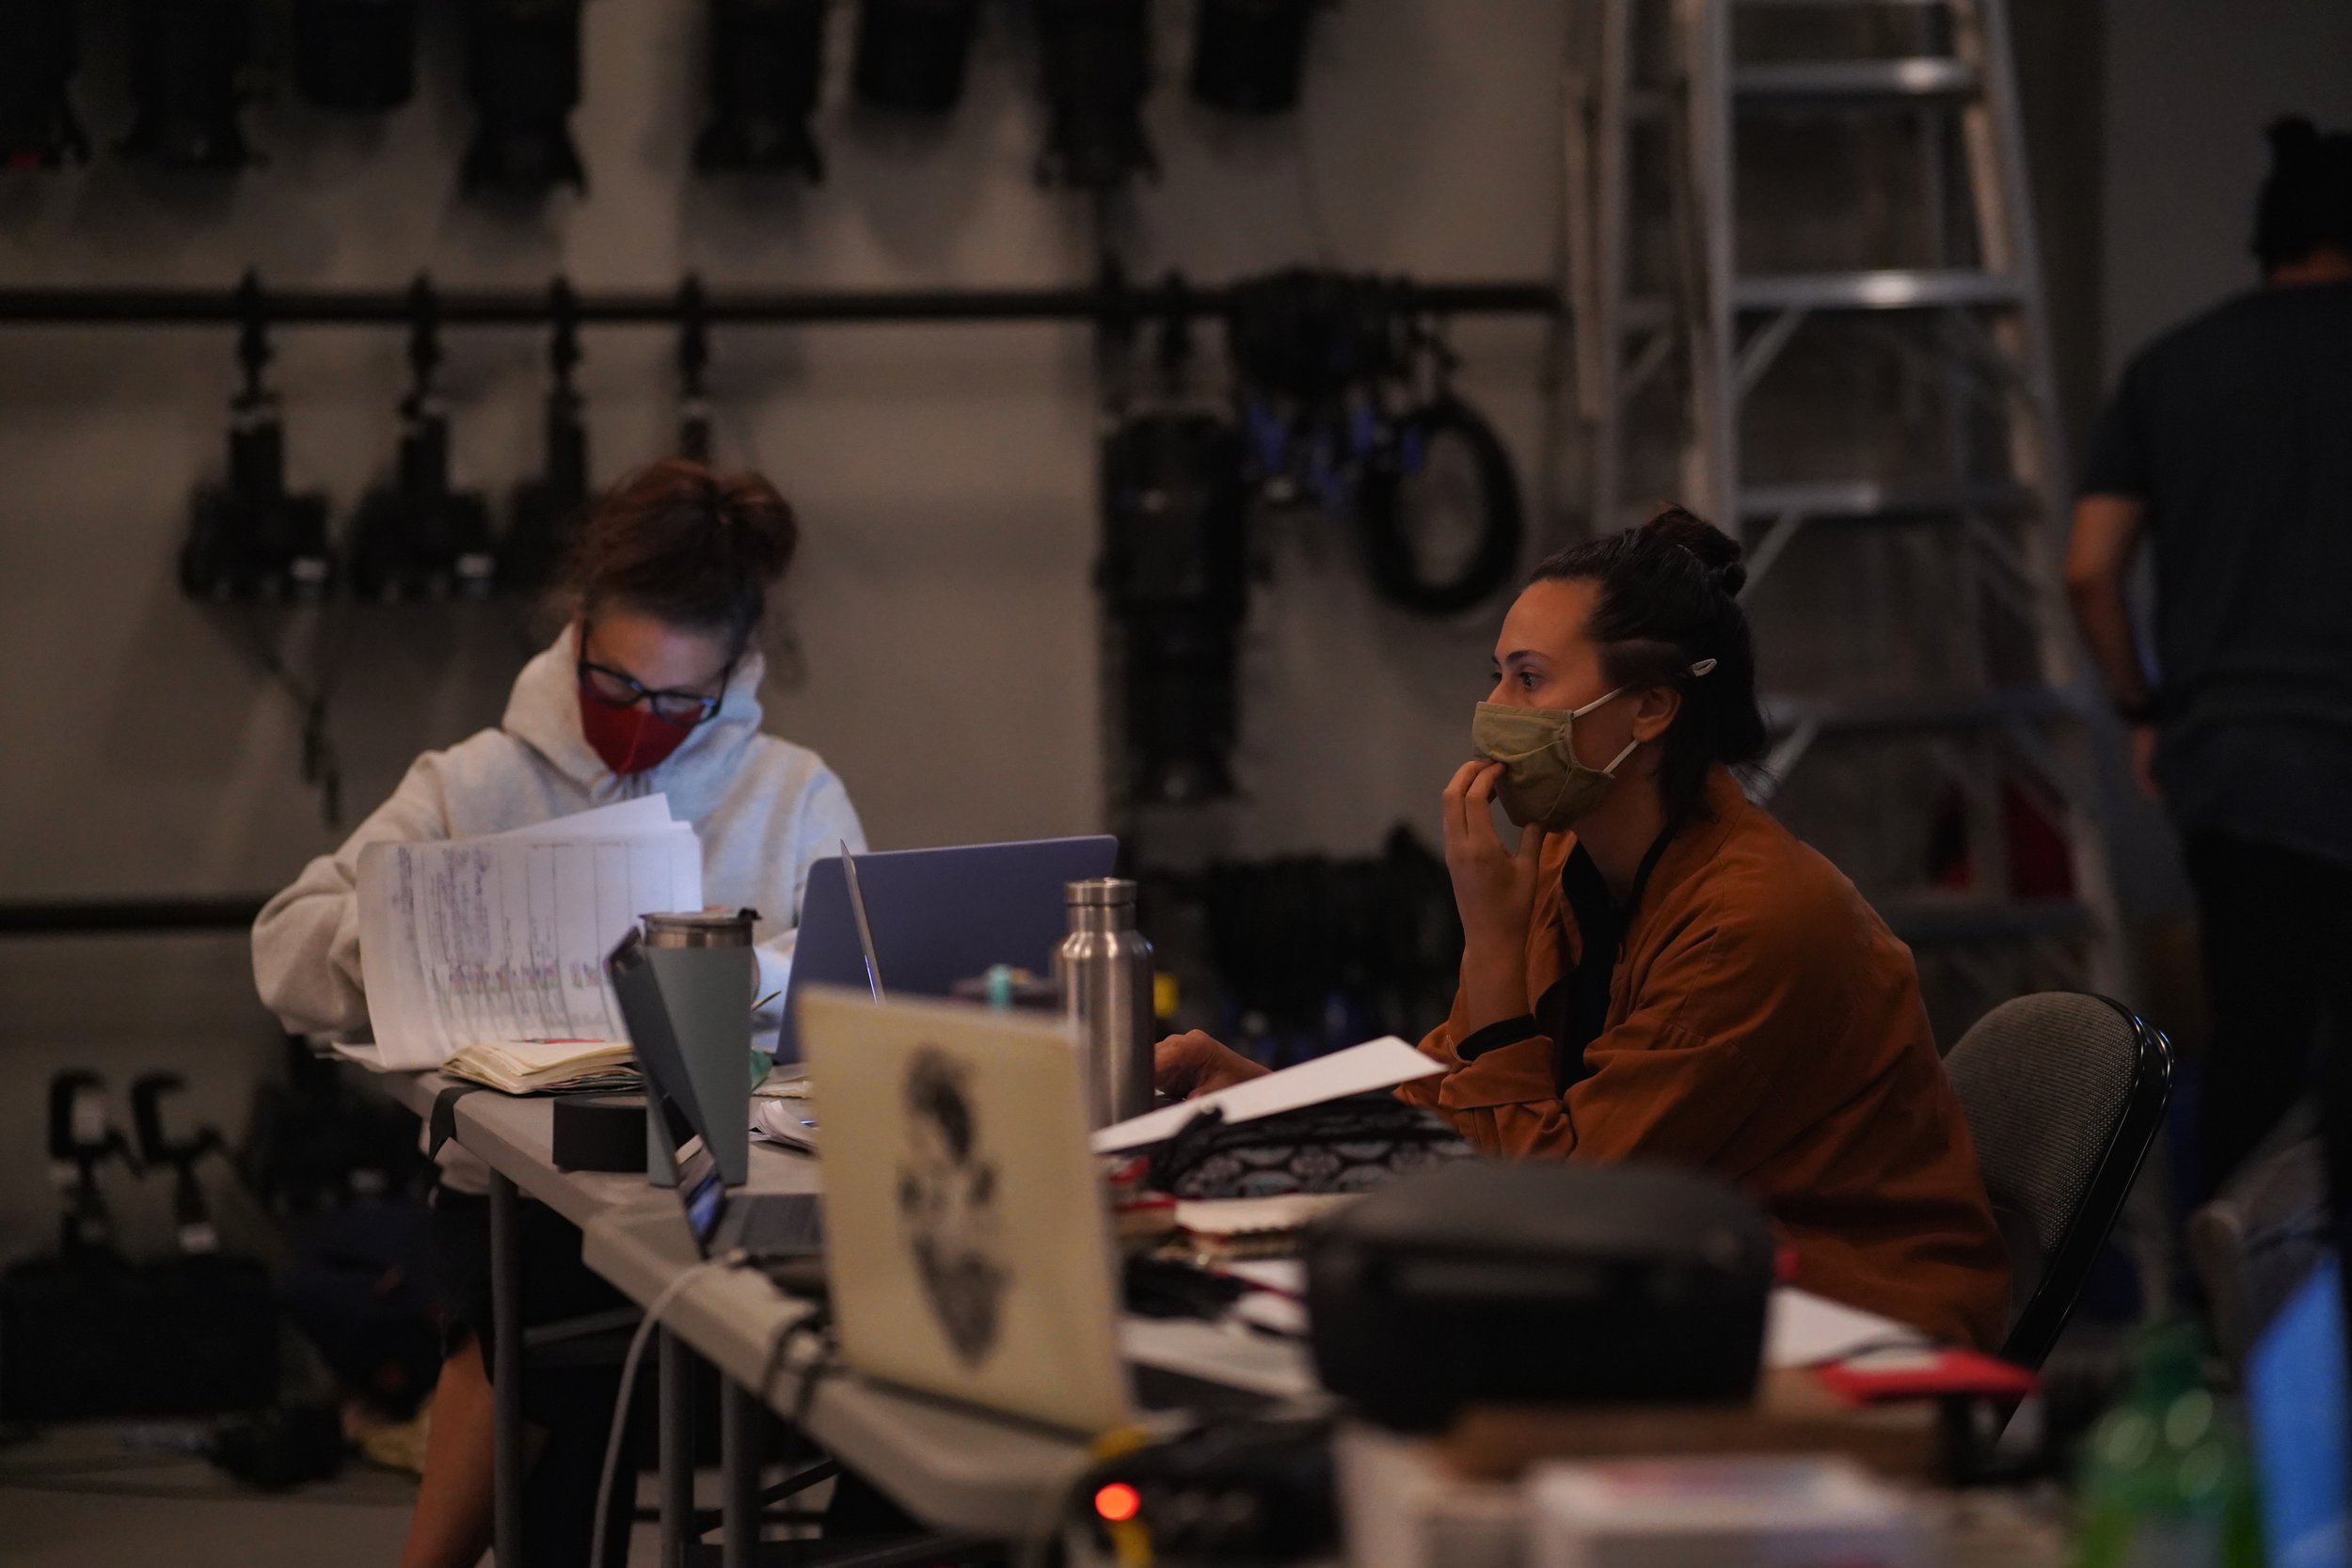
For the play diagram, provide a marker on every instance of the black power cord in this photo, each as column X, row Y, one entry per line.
column 1393, row 492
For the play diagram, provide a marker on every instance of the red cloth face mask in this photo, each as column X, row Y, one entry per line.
column 629, row 739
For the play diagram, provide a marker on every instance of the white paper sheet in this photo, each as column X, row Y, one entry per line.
column 648, row 814
column 1381, row 1064
column 504, row 937
column 1801, row 1329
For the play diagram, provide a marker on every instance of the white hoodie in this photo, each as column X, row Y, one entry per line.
column 764, row 809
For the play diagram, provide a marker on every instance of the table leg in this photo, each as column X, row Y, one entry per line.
column 506, row 1387
column 740, row 1419
column 678, row 1450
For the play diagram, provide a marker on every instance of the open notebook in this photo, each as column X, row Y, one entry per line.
column 486, row 955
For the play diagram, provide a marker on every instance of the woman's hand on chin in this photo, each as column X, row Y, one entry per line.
column 1185, row 1066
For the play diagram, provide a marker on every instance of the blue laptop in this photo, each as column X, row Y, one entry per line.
column 938, row 917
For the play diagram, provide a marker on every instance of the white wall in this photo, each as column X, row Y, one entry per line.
column 2191, row 84
column 944, row 475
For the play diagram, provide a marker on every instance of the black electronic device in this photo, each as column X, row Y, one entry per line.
column 191, row 1215
column 1175, row 579
column 1249, row 56
column 415, row 538
column 1540, row 1283
column 544, row 521
column 1255, row 1489
column 91, row 1337
column 766, row 62
column 248, row 537
column 355, row 56
column 187, row 62
column 40, row 49
column 522, row 70
column 82, row 1137
column 1095, row 64
column 912, row 55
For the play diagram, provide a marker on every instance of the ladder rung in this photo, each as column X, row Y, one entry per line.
column 1875, row 501
column 1925, row 711
column 1889, row 289
column 1922, row 76
column 1927, row 922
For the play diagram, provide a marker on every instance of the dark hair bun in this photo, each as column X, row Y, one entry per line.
column 687, row 545
column 2293, row 139
column 766, row 535
column 1716, row 550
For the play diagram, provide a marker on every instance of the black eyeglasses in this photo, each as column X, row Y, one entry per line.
column 616, row 690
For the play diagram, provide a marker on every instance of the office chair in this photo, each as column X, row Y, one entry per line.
column 2064, row 1094
column 2257, row 1241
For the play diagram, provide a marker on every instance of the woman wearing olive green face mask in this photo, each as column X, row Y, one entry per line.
column 1653, row 969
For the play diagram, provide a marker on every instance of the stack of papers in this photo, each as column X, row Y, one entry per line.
column 502, row 941
column 547, row 1066
column 1236, row 1228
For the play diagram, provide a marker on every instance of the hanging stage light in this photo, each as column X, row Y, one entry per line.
column 522, row 70
column 912, row 55
column 1176, row 578
column 416, row 537
column 1096, row 59
column 545, row 520
column 40, row 47
column 355, row 56
column 767, row 60
column 186, row 57
column 248, row 538
column 1249, row 56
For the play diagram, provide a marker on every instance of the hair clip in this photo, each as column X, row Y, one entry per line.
column 1703, row 666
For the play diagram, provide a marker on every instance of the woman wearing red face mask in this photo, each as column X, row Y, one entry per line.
column 652, row 687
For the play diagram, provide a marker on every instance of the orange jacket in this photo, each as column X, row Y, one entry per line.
column 1764, row 1024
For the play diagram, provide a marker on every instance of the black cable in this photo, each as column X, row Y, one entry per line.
column 1384, row 498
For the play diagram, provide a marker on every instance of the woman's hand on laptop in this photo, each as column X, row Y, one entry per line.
column 1190, row 1065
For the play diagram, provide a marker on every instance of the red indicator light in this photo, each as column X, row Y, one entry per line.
column 1117, row 1503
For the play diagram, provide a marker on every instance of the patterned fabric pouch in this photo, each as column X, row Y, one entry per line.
column 1344, row 1146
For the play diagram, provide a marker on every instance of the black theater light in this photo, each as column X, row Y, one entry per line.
column 767, row 61
column 912, row 55
column 355, row 56
column 40, row 48
column 248, row 538
column 1175, row 581
column 522, row 70
column 415, row 538
column 545, row 520
column 1095, row 61
column 187, row 60
column 1249, row 56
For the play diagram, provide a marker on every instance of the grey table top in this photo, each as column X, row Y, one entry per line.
column 957, row 1467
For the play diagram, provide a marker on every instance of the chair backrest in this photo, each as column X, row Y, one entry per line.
column 2064, row 1094
column 2256, row 1242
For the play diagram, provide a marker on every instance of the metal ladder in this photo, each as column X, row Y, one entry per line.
column 1677, row 345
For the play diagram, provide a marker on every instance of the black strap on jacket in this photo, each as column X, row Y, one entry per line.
column 1576, row 1009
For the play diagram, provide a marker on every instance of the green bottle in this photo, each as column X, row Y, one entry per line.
column 2165, row 1481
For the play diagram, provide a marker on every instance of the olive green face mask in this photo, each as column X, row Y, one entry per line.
column 1542, row 780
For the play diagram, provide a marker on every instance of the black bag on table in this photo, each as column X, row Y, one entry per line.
column 1343, row 1146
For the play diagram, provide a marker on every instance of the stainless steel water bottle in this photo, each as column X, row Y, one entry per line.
column 1104, row 968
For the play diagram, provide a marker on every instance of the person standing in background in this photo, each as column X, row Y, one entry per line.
column 2228, row 446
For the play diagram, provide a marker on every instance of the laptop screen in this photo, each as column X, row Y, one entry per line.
column 699, row 1186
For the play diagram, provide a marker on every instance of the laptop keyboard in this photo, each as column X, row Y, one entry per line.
column 782, row 1224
